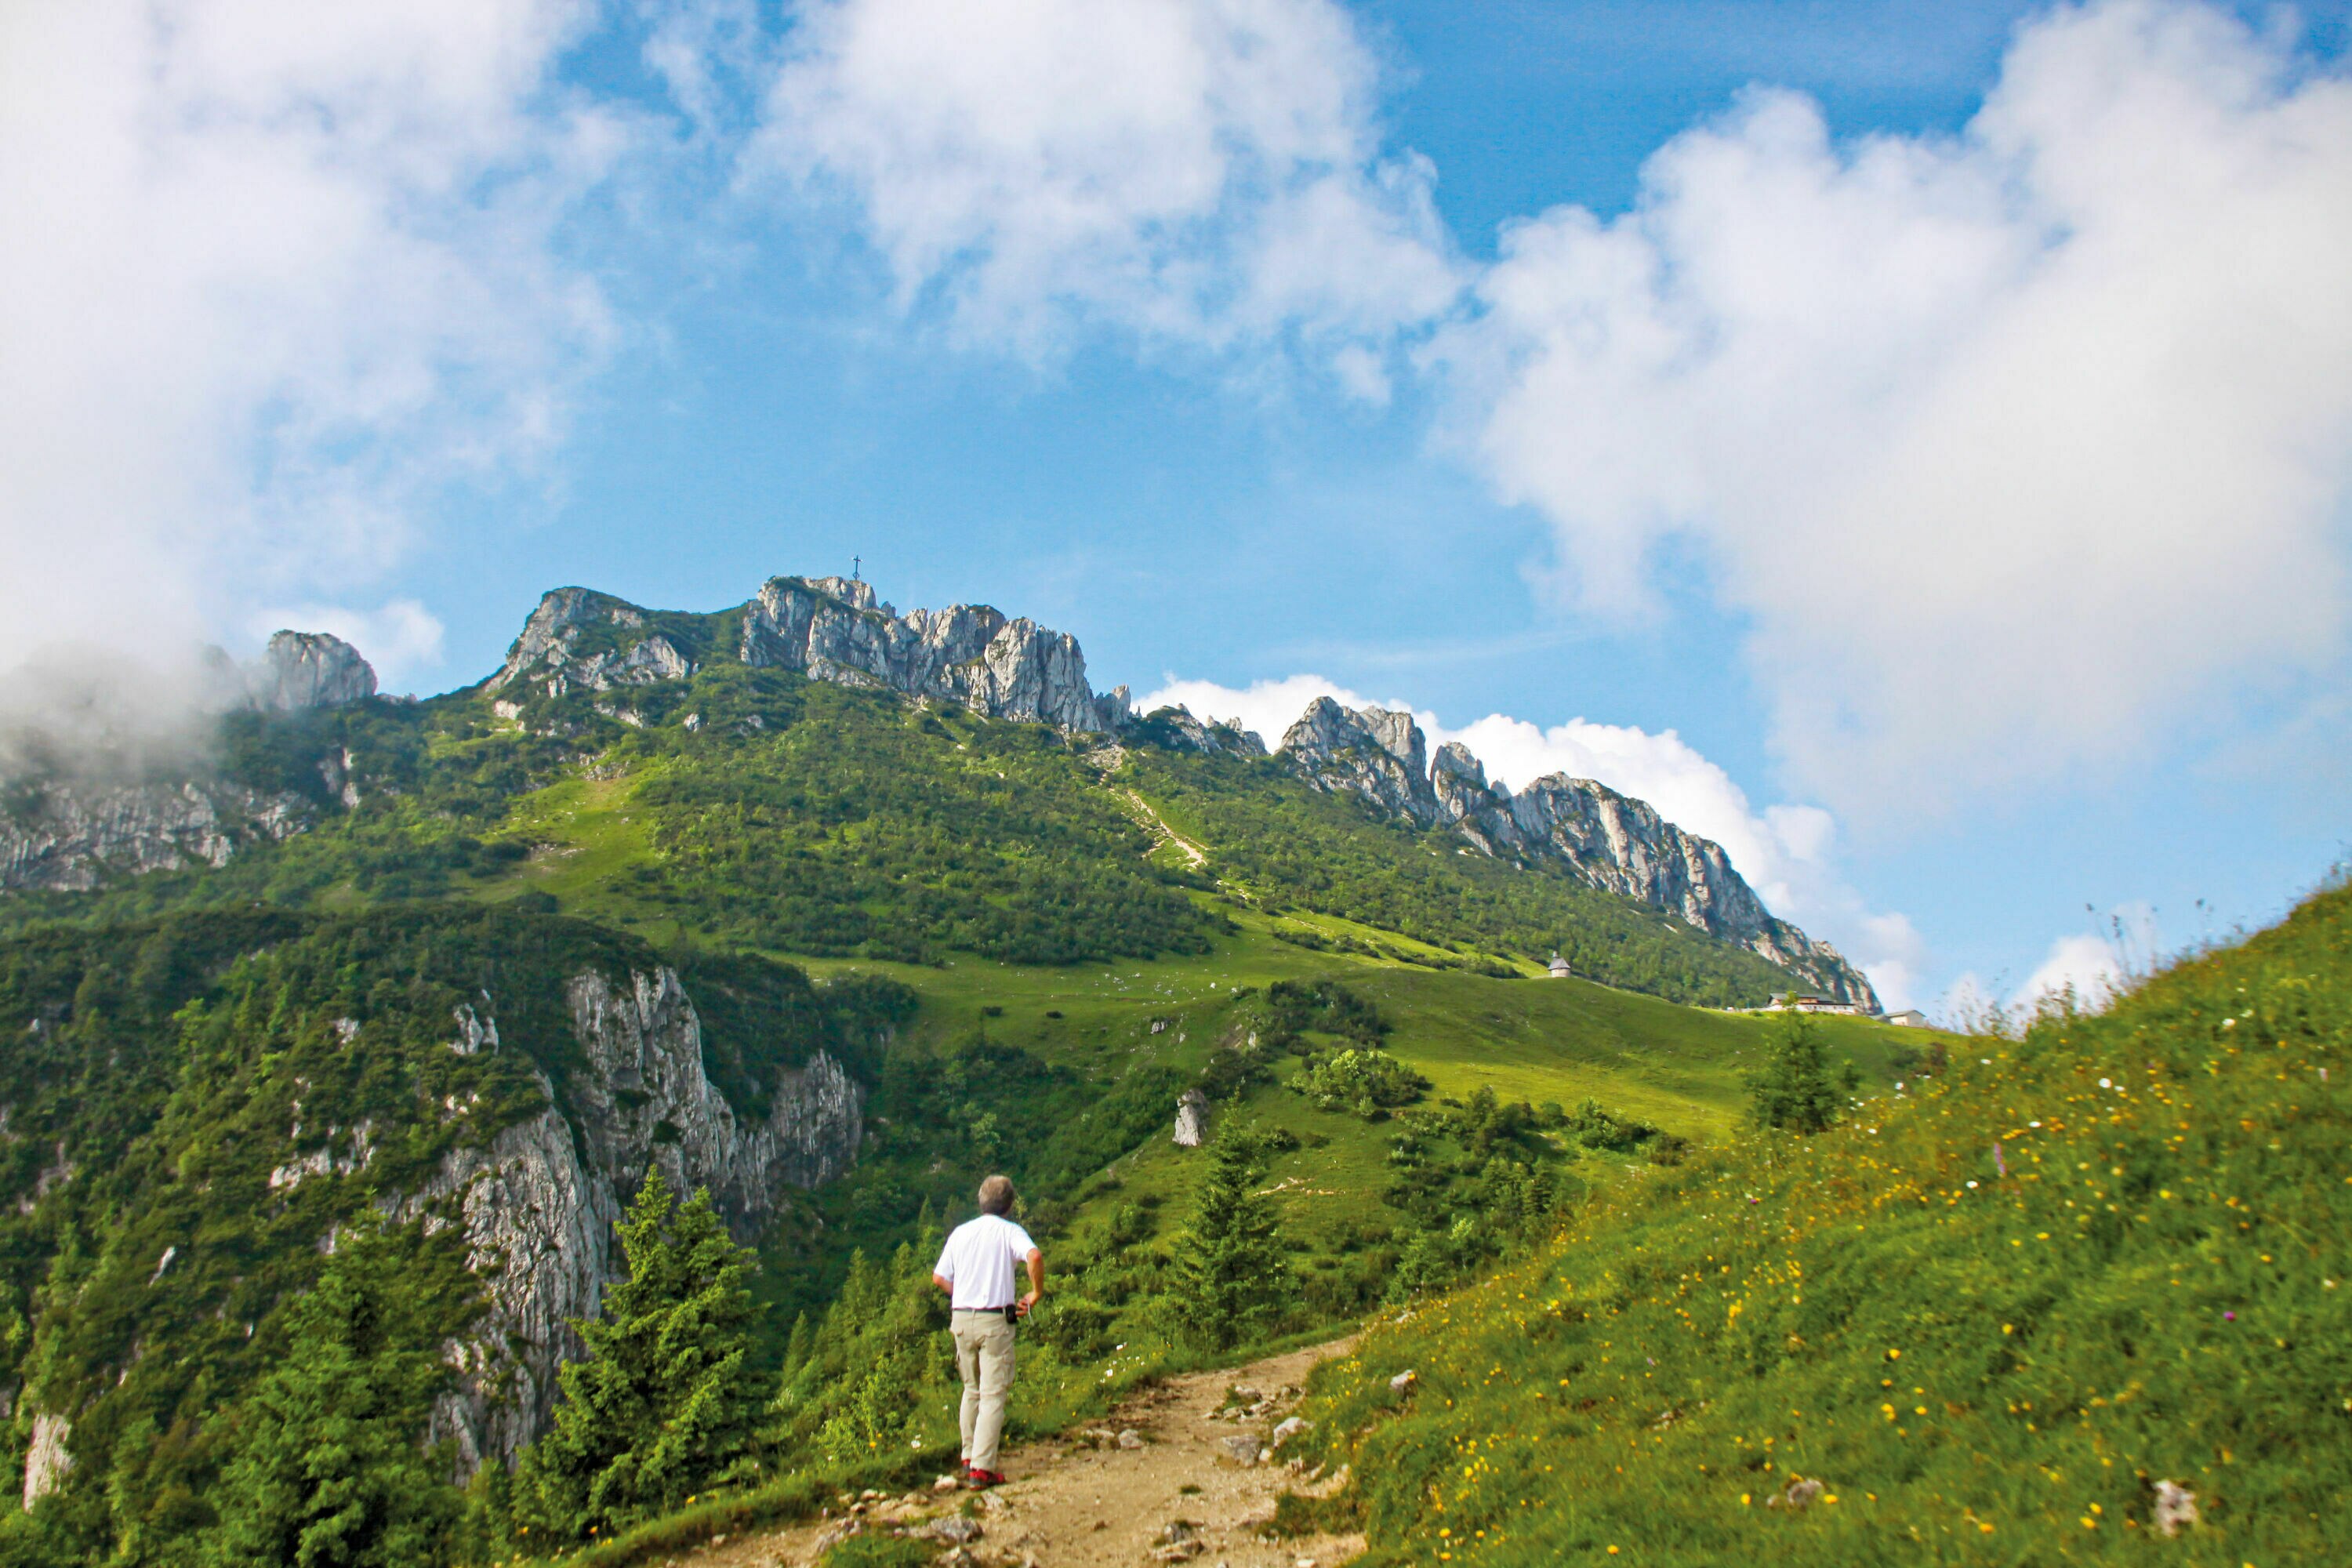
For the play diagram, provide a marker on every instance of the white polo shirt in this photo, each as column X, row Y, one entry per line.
column 983, row 1261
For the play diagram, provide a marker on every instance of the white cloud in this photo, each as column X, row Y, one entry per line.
column 1787, row 852
column 274, row 273
column 1200, row 171
column 1266, row 707
column 2013, row 448
column 2094, row 966
column 396, row 638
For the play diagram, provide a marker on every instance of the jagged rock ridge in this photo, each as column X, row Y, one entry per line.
column 1608, row 841
column 835, row 629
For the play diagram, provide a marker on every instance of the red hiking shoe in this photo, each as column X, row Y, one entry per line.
column 976, row 1478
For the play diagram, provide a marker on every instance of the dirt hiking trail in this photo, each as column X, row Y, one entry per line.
column 1176, row 1491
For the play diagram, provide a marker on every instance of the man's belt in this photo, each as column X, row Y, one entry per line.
column 1011, row 1310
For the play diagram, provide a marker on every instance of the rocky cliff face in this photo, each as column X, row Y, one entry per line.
column 549, row 653
column 1606, row 840
column 968, row 654
column 1176, row 728
column 539, row 1202
column 69, row 836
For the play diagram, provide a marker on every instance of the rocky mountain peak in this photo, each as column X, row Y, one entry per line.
column 119, row 796
column 855, row 592
column 1370, row 752
column 309, row 669
column 579, row 638
column 1458, row 780
column 1177, row 730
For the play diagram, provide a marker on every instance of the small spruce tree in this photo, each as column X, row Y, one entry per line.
column 663, row 1405
column 1795, row 1089
column 1233, row 1283
column 328, row 1466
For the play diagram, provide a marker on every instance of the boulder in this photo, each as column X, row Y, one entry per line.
column 1192, row 1119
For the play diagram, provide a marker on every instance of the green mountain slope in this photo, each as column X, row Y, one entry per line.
column 163, row 1076
column 804, row 818
column 1989, row 1316
column 484, row 960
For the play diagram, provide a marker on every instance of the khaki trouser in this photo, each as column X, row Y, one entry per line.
column 983, row 1342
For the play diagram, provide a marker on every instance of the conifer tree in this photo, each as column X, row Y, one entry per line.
column 330, row 1468
column 663, row 1405
column 854, row 1385
column 1233, row 1283
column 1794, row 1089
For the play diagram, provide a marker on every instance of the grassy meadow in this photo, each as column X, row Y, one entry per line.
column 1988, row 1315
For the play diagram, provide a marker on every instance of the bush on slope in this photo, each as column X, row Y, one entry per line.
column 1989, row 1316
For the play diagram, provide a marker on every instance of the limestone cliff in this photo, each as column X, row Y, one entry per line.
column 551, row 652
column 1605, row 839
column 1177, row 730
column 71, row 835
column 540, row 1200
column 968, row 654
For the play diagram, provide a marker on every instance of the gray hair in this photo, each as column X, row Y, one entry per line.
column 996, row 1196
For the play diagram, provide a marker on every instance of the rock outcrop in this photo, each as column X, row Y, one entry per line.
column 1368, row 751
column 1192, row 1128
column 70, row 834
column 1176, row 728
column 81, row 807
column 47, row 1459
column 540, row 1201
column 549, row 653
column 1605, row 839
column 967, row 654
column 309, row 669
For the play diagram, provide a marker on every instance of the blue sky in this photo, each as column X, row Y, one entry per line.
column 1911, row 442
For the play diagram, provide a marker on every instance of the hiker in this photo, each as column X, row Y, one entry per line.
column 979, row 1271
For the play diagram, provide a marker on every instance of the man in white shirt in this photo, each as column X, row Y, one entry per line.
column 978, row 1270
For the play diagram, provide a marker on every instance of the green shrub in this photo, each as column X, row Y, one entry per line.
column 1365, row 1081
column 1595, row 1126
